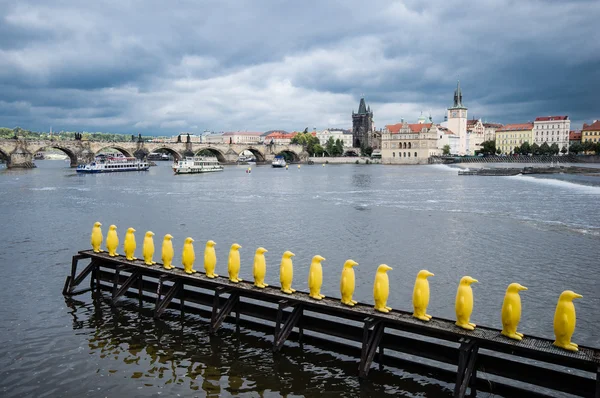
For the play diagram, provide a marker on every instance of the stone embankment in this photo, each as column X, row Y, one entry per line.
column 530, row 171
column 343, row 160
column 516, row 159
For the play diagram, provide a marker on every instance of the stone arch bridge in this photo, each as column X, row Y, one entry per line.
column 19, row 153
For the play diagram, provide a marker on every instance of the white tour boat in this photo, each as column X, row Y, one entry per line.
column 279, row 161
column 193, row 165
column 113, row 164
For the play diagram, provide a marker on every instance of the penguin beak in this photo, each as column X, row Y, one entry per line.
column 430, row 273
column 388, row 268
column 191, row 240
column 132, row 230
column 577, row 296
column 322, row 258
column 522, row 288
column 292, row 254
column 354, row 263
column 99, row 224
column 474, row 280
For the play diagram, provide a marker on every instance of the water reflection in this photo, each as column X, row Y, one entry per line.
column 361, row 180
column 177, row 353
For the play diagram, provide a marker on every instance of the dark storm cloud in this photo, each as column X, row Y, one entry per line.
column 151, row 66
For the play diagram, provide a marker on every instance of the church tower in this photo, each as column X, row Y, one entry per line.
column 363, row 131
column 457, row 121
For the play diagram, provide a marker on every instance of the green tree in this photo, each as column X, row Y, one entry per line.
column 535, row 149
column 330, row 146
column 525, row 148
column 488, row 147
column 446, row 149
column 563, row 150
column 368, row 151
column 339, row 147
column 576, row 148
column 318, row 150
column 498, row 151
column 517, row 150
column 544, row 149
column 554, row 149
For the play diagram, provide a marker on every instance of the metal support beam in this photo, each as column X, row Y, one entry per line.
column 161, row 306
column 73, row 280
column 135, row 275
column 465, row 375
column 371, row 340
column 283, row 332
column 218, row 316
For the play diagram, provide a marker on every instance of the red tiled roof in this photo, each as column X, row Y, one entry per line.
column 574, row 135
column 414, row 127
column 280, row 135
column 516, row 127
column 242, row 133
column 472, row 122
column 591, row 127
column 550, row 118
column 497, row 125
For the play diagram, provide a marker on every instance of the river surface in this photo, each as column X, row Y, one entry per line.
column 541, row 232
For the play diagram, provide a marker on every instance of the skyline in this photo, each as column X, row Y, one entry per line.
column 133, row 67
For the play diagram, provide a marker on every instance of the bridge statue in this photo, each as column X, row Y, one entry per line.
column 18, row 153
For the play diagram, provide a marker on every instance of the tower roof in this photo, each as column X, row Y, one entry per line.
column 362, row 108
column 458, row 98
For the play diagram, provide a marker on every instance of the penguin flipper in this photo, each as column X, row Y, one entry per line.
column 509, row 312
column 561, row 327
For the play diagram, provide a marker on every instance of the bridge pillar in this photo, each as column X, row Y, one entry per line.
column 83, row 157
column 20, row 158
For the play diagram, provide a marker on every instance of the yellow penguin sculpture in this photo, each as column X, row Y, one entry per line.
column 286, row 272
column 188, row 256
column 233, row 264
column 129, row 244
column 347, row 283
column 148, row 248
column 381, row 288
column 260, row 268
column 511, row 311
column 167, row 252
column 421, row 296
column 315, row 278
column 464, row 303
column 564, row 320
column 210, row 259
column 112, row 241
column 96, row 238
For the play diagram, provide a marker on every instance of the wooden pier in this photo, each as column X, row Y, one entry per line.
column 479, row 360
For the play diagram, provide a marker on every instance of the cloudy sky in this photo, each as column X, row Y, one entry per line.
column 160, row 67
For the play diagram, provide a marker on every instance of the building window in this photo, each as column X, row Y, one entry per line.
column 415, row 154
column 404, row 154
column 409, row 154
column 393, row 154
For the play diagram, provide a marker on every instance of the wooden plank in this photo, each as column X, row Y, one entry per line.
column 482, row 384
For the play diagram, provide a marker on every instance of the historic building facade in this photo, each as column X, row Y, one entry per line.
column 476, row 133
column 489, row 133
column 591, row 132
column 553, row 130
column 345, row 136
column 405, row 143
column 363, row 128
column 457, row 122
column 513, row 135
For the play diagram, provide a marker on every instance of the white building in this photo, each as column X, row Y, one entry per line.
column 212, row 138
column 489, row 132
column 476, row 134
column 553, row 130
column 457, row 122
column 447, row 137
column 242, row 138
column 404, row 143
column 338, row 134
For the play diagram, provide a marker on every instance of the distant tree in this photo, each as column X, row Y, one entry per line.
column 318, row 150
column 535, row 149
column 488, row 147
column 554, row 149
column 330, row 146
column 362, row 149
column 597, row 148
column 339, row 147
column 517, row 150
column 525, row 148
column 544, row 149
column 446, row 150
column 498, row 151
column 368, row 151
column 587, row 146
column 576, row 148
column 563, row 150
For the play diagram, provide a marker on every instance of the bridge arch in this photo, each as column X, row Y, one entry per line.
column 257, row 154
column 176, row 155
column 118, row 148
column 72, row 156
column 5, row 157
column 212, row 152
column 289, row 155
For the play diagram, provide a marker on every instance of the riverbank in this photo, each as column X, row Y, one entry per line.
column 531, row 171
column 343, row 160
column 558, row 159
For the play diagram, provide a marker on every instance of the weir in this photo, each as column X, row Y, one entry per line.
column 478, row 360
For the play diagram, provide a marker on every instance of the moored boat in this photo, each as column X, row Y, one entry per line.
column 279, row 161
column 113, row 164
column 193, row 165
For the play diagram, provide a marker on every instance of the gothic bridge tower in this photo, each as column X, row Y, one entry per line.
column 363, row 131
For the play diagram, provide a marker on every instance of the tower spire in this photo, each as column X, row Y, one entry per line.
column 362, row 108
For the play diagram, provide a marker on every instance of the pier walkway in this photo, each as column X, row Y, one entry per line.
column 478, row 360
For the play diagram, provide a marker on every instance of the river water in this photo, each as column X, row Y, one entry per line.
column 541, row 232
